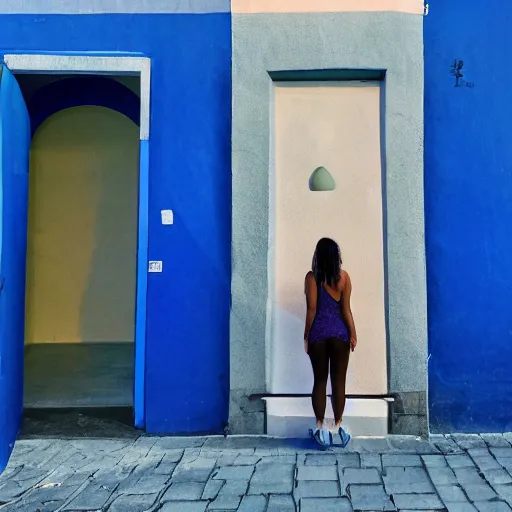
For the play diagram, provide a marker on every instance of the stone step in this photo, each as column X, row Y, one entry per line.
column 293, row 417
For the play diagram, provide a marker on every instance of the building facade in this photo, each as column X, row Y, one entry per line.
column 167, row 168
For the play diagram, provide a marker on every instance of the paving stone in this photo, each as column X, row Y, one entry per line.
column 95, row 495
column 184, row 506
column 417, row 501
column 171, row 454
column 401, row 460
column 325, row 505
column 234, row 473
column 361, row 476
column 235, row 487
column 451, row 493
column 135, row 471
column 317, row 489
column 12, row 489
column 254, row 504
column 502, row 453
column 442, row 476
column 139, row 449
column 476, row 453
column 241, row 444
column 411, row 444
column 460, row 507
column 30, row 474
column 23, row 506
column 468, row 441
column 56, row 494
column 129, row 503
column 301, row 459
column 198, row 470
column 493, row 506
column 317, row 473
column 192, row 454
column 225, row 502
column 407, row 480
column 282, row 503
column 506, row 464
column 216, row 453
column 149, row 484
column 460, row 461
column 247, row 460
column 211, row 489
column 321, row 460
column 11, row 470
column 287, row 451
column 504, row 491
column 495, row 440
column 468, row 476
column 497, row 477
column 166, row 466
column 486, row 463
column 266, row 452
column 370, row 460
column 226, row 460
column 370, row 445
column 370, row 497
column 175, row 443
column 272, row 478
column 286, row 459
column 445, row 445
column 434, row 461
column 184, row 491
column 479, row 492
column 352, row 460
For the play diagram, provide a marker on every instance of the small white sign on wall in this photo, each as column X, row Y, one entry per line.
column 155, row 266
column 167, row 217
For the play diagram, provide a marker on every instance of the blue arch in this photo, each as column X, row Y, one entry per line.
column 80, row 91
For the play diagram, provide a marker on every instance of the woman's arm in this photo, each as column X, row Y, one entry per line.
column 311, row 297
column 347, row 311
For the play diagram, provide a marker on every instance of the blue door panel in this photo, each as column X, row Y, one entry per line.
column 14, row 165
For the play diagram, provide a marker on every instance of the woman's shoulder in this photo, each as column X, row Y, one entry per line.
column 310, row 276
column 344, row 280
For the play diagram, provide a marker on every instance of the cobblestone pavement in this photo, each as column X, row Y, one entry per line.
column 251, row 474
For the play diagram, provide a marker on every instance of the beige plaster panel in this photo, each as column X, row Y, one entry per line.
column 336, row 126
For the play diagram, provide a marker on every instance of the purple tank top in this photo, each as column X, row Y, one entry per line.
column 328, row 322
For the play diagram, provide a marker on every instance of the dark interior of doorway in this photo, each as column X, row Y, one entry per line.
column 77, row 389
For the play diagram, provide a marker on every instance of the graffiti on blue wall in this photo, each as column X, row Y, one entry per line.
column 456, row 71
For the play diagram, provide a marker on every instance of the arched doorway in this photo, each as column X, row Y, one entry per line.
column 82, row 244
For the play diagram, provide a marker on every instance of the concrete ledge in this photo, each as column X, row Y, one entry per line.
column 293, row 417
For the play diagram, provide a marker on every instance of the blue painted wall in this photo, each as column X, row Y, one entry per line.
column 187, row 360
column 468, row 179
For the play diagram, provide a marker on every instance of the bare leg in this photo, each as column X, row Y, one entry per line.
column 339, row 354
column 320, row 363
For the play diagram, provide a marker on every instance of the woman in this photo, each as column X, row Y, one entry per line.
column 329, row 336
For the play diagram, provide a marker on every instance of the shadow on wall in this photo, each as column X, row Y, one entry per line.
column 81, row 268
column 108, row 304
